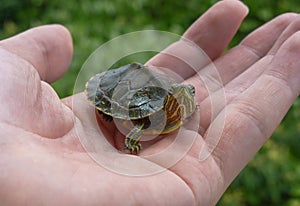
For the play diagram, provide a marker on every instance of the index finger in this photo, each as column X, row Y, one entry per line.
column 206, row 39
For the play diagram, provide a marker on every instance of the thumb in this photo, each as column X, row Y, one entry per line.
column 42, row 53
column 48, row 48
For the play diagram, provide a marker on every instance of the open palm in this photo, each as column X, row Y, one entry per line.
column 42, row 161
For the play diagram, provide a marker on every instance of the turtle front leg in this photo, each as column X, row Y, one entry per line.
column 133, row 137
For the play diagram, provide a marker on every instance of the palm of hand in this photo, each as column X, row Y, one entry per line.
column 40, row 152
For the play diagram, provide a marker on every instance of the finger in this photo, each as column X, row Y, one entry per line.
column 240, row 58
column 289, row 31
column 216, row 28
column 48, row 48
column 253, row 116
column 253, row 47
column 239, row 84
column 206, row 39
column 27, row 102
column 216, row 85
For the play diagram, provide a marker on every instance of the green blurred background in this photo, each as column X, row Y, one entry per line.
column 273, row 177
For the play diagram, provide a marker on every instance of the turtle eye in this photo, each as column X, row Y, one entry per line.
column 191, row 89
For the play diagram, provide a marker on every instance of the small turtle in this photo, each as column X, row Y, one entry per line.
column 135, row 94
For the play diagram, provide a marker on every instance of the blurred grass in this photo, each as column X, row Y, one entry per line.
column 273, row 177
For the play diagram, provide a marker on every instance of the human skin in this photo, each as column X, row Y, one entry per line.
column 42, row 161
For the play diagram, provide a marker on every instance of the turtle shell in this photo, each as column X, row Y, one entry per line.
column 129, row 92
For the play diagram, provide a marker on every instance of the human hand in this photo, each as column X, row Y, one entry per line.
column 43, row 162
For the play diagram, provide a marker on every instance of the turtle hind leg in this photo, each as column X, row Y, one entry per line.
column 133, row 137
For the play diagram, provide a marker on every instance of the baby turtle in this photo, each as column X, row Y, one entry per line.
column 135, row 94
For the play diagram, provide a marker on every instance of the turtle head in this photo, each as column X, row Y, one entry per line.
column 185, row 97
column 183, row 90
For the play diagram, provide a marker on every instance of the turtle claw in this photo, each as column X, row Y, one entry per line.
column 132, row 146
column 137, row 148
